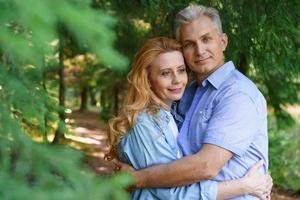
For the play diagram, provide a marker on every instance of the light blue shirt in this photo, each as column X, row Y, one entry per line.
column 231, row 114
column 151, row 142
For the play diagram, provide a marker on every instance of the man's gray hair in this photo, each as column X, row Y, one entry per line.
column 193, row 12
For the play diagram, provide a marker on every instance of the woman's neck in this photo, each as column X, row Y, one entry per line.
column 167, row 106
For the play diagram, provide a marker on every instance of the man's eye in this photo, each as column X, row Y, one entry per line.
column 205, row 39
column 187, row 45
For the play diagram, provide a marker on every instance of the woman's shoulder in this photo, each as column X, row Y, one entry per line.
column 146, row 124
column 143, row 117
column 148, row 117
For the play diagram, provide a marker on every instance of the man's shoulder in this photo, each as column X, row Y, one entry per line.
column 239, row 83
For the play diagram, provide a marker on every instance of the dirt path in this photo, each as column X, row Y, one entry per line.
column 90, row 136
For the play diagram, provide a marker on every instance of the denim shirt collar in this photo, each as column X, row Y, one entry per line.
column 162, row 114
column 218, row 76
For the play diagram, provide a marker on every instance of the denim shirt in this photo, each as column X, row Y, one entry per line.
column 231, row 114
column 150, row 142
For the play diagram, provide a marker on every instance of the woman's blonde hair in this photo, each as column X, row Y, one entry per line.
column 139, row 95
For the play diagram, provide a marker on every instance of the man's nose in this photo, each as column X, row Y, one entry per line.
column 200, row 49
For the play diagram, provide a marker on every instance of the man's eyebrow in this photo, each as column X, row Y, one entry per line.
column 205, row 35
column 190, row 40
column 187, row 40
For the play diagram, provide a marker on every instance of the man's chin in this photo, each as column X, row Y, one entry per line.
column 198, row 68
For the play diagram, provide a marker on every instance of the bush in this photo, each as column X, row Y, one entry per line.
column 284, row 154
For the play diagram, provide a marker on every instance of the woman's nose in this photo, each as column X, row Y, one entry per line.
column 176, row 79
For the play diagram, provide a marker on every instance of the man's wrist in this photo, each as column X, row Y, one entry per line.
column 137, row 182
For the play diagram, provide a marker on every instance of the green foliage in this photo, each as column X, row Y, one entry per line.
column 31, row 170
column 284, row 154
column 264, row 43
column 263, row 39
column 39, row 171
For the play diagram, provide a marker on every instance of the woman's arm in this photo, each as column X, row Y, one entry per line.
column 253, row 183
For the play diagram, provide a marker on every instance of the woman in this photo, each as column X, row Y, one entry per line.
column 144, row 133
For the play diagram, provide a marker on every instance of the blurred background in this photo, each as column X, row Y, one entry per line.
column 63, row 68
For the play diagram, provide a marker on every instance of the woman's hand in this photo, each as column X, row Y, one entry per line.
column 118, row 165
column 259, row 185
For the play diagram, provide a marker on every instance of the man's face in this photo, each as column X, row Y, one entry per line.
column 203, row 46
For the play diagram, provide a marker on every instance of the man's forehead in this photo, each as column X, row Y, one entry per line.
column 198, row 28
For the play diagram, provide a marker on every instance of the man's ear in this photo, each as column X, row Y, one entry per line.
column 224, row 40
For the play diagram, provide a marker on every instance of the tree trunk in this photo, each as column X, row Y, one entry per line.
column 243, row 64
column 84, row 98
column 92, row 94
column 45, row 134
column 116, row 99
column 59, row 134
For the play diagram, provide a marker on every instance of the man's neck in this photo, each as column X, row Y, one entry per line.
column 201, row 77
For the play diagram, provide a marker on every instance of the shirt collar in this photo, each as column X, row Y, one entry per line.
column 218, row 76
column 163, row 114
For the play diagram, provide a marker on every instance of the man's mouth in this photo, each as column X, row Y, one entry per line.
column 201, row 60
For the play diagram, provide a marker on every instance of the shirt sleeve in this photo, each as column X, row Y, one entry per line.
column 145, row 146
column 233, row 124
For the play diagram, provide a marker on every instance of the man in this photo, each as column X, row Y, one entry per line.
column 225, row 128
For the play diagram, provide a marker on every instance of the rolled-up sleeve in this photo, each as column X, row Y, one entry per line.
column 145, row 146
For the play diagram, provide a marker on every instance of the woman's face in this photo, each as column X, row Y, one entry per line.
column 168, row 76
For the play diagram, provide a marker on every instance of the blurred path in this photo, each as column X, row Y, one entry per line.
column 90, row 134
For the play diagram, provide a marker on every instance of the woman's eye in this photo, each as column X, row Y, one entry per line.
column 166, row 73
column 182, row 70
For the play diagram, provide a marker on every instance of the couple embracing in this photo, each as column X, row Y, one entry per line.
column 204, row 141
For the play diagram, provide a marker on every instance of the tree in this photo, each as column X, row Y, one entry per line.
column 263, row 39
column 39, row 170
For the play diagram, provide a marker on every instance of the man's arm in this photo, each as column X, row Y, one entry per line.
column 205, row 164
